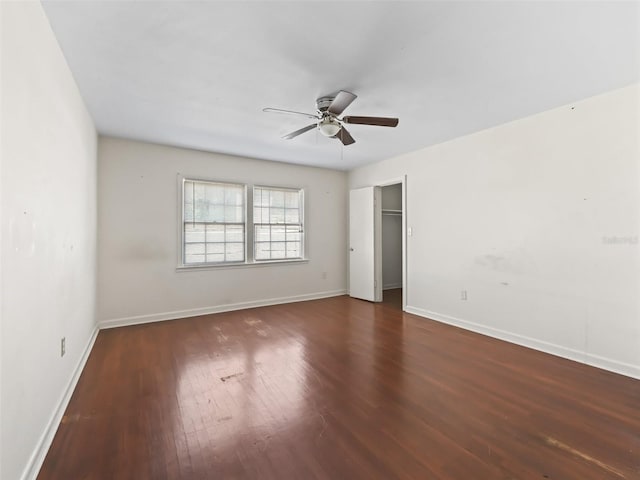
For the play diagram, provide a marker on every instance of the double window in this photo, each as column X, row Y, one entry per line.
column 215, row 221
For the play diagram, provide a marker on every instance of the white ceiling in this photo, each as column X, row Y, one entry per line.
column 197, row 74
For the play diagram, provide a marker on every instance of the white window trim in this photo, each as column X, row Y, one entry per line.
column 249, row 261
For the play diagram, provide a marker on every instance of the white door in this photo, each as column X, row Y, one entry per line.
column 365, row 256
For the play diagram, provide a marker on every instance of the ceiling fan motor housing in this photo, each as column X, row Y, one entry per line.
column 323, row 103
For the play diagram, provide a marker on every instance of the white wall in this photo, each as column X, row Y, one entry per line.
column 538, row 221
column 139, row 228
column 392, row 237
column 48, row 254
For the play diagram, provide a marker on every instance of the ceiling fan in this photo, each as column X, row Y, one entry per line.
column 327, row 121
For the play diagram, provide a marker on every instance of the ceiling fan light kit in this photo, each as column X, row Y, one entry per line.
column 329, row 127
column 329, row 108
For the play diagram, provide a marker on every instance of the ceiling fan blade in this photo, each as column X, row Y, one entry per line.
column 379, row 121
column 299, row 132
column 343, row 100
column 344, row 136
column 291, row 112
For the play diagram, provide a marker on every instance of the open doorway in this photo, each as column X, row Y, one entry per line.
column 368, row 251
column 391, row 233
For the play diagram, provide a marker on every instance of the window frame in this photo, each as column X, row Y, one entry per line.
column 249, row 240
column 301, row 209
column 183, row 263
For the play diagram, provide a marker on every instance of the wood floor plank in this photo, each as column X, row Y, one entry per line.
column 339, row 389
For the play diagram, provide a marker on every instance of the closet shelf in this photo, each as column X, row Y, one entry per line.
column 388, row 211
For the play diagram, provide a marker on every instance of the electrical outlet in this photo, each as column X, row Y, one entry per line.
column 63, row 346
column 463, row 295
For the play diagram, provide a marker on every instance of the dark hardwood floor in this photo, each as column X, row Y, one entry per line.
column 339, row 389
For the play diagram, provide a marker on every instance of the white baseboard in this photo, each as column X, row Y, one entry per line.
column 558, row 350
column 194, row 312
column 44, row 442
column 391, row 286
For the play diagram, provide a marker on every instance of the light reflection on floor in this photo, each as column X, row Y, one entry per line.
column 252, row 389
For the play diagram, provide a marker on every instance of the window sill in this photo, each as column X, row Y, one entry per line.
column 224, row 266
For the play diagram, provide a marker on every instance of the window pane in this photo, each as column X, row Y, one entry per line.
column 188, row 212
column 235, row 252
column 293, row 235
column 215, row 257
column 215, row 233
column 292, row 199
column 201, row 206
column 261, row 215
column 292, row 215
column 263, row 251
column 216, row 214
column 188, row 191
column 263, row 233
column 215, row 194
column 193, row 232
column 200, row 211
column 194, row 259
column 260, row 197
column 277, row 198
column 234, row 233
column 277, row 215
column 215, row 248
column 293, row 250
column 234, row 195
column 277, row 250
column 277, row 233
column 188, row 200
column 233, row 214
column 194, row 249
